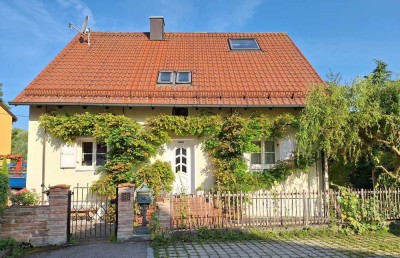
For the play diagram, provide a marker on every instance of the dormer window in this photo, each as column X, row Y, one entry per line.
column 165, row 77
column 243, row 44
column 174, row 77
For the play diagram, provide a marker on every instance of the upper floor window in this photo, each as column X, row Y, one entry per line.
column 265, row 156
column 180, row 111
column 165, row 77
column 174, row 77
column 243, row 44
column 183, row 77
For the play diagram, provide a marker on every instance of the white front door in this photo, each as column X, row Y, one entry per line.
column 181, row 154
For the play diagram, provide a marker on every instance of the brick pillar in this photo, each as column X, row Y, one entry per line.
column 57, row 220
column 125, row 211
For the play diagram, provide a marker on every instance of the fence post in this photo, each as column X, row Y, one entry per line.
column 125, row 211
column 58, row 215
column 305, row 208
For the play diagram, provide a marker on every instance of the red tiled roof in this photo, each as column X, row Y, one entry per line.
column 122, row 68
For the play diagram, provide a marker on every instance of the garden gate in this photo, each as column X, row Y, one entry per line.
column 90, row 215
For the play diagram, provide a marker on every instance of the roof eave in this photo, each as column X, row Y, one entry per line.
column 153, row 105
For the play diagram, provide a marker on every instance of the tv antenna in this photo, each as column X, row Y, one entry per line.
column 84, row 30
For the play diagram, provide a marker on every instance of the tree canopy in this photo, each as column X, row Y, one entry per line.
column 19, row 142
column 353, row 122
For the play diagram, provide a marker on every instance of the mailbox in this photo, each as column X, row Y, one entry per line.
column 144, row 196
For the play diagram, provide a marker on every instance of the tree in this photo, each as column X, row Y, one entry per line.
column 19, row 142
column 1, row 95
column 1, row 92
column 349, row 123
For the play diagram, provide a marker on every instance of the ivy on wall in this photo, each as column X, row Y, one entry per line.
column 225, row 139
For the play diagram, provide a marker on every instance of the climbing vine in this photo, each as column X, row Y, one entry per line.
column 132, row 145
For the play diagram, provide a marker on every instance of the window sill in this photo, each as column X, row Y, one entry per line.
column 260, row 167
column 87, row 169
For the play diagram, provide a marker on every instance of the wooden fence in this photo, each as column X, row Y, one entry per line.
column 271, row 209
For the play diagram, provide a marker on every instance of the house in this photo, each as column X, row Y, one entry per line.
column 6, row 120
column 145, row 74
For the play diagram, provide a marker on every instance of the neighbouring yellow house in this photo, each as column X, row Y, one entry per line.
column 6, row 120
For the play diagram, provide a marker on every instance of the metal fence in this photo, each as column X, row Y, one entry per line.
column 90, row 215
column 269, row 209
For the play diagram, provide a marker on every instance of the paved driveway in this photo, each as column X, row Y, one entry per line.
column 270, row 248
column 100, row 250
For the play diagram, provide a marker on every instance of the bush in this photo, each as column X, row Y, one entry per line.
column 3, row 192
column 24, row 197
column 12, row 246
column 158, row 176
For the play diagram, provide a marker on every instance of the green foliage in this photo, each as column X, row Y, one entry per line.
column 4, row 187
column 155, row 225
column 4, row 168
column 359, row 216
column 19, row 142
column 158, row 176
column 24, row 197
column 354, row 122
column 14, row 248
column 131, row 145
column 380, row 74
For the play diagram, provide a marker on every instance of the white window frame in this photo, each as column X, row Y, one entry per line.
column 174, row 79
column 79, row 156
column 263, row 165
column 238, row 49
column 171, row 80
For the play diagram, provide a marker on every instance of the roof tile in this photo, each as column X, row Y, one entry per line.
column 122, row 68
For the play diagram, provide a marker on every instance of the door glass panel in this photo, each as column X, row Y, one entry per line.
column 178, row 160
column 184, row 152
column 178, row 151
column 177, row 169
column 183, row 168
column 183, row 160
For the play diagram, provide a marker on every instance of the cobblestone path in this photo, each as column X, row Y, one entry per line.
column 277, row 248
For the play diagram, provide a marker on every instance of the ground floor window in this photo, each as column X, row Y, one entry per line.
column 265, row 156
column 92, row 153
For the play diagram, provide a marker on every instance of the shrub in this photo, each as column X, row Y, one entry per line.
column 3, row 192
column 158, row 176
column 12, row 246
column 24, row 197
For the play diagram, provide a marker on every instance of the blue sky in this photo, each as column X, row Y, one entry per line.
column 342, row 35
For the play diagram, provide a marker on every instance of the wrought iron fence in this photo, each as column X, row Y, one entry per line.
column 91, row 215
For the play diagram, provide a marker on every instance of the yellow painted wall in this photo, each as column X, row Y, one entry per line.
column 308, row 180
column 5, row 132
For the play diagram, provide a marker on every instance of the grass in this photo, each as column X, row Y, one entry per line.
column 382, row 242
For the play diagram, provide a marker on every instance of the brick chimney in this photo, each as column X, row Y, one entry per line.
column 157, row 27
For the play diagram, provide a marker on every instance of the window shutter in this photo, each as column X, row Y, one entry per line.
column 68, row 158
column 287, row 147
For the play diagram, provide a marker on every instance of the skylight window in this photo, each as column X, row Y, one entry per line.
column 183, row 77
column 243, row 44
column 165, row 77
column 174, row 77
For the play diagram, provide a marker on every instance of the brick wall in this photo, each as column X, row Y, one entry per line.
column 38, row 225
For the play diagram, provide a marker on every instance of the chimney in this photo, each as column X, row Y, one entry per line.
column 157, row 28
